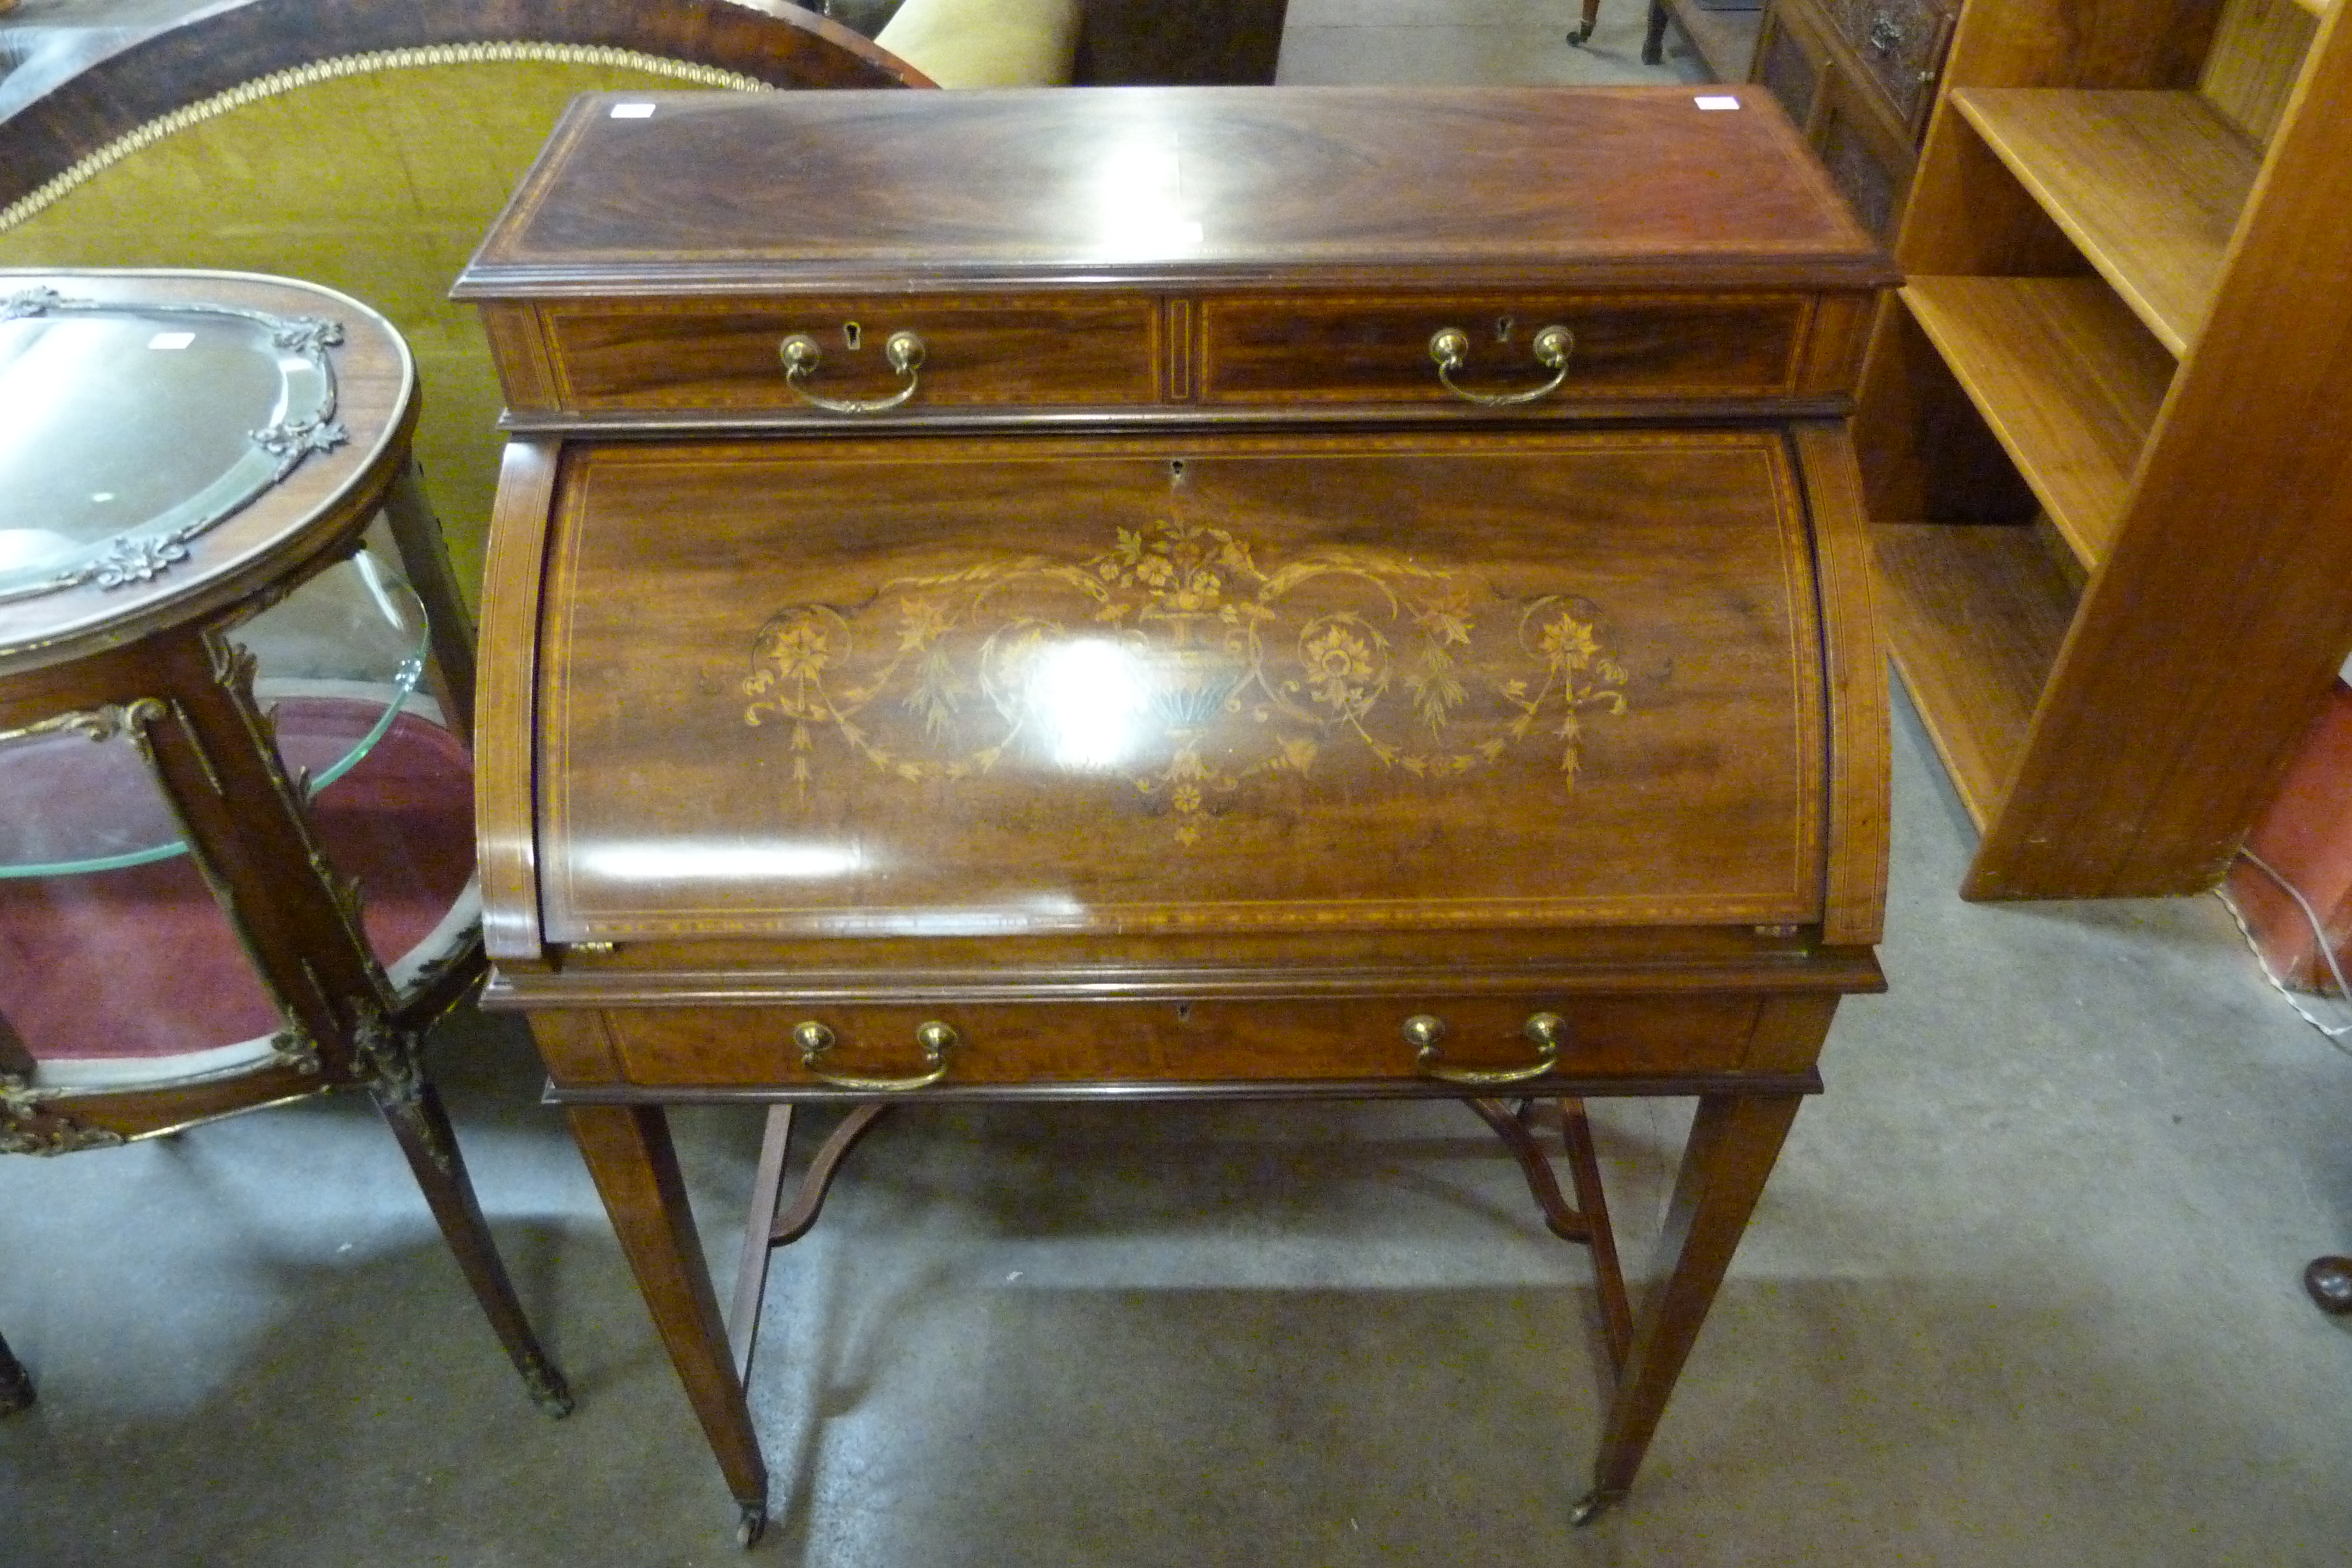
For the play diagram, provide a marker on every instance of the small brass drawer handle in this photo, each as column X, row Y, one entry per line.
column 1422, row 1032
column 904, row 351
column 1450, row 348
column 937, row 1039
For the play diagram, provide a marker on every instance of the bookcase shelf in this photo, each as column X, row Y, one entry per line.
column 2127, row 326
column 2067, row 380
column 2148, row 185
column 1973, row 616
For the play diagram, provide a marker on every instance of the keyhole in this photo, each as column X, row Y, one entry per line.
column 1183, row 1011
column 1503, row 325
column 850, row 334
column 1176, row 468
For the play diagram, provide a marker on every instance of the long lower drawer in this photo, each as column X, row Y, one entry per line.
column 1478, row 1042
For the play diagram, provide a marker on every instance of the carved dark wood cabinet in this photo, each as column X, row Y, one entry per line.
column 1860, row 77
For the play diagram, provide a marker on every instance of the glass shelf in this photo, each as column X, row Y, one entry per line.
column 338, row 661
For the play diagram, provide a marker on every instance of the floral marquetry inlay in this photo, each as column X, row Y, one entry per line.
column 1180, row 660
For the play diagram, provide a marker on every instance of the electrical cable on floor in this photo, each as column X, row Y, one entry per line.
column 2336, row 1033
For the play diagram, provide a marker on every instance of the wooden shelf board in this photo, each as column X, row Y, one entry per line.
column 1973, row 616
column 2148, row 185
column 1725, row 40
column 2316, row 8
column 2066, row 378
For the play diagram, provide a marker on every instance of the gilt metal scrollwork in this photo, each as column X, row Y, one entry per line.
column 291, row 442
column 129, row 561
column 294, row 1047
column 391, row 1061
column 95, row 724
column 28, row 1126
column 386, row 1056
column 160, row 542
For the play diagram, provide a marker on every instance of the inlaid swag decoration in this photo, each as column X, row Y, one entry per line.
column 1176, row 660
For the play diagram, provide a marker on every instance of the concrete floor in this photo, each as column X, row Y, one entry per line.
column 2024, row 1291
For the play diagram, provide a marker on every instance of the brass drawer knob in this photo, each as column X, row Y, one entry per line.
column 935, row 1038
column 1547, row 1031
column 1450, row 347
column 903, row 350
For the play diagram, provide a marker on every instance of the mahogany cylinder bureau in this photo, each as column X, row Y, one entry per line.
column 1179, row 592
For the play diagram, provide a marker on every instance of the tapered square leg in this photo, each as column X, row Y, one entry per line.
column 1734, row 1142
column 634, row 1165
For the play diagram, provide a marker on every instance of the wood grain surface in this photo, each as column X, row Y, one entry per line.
column 1034, row 686
column 1166, row 185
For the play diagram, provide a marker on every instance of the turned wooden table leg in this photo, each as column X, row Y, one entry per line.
column 1732, row 1145
column 634, row 1165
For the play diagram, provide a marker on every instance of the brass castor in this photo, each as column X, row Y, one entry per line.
column 1592, row 1505
column 2329, row 1280
column 751, row 1525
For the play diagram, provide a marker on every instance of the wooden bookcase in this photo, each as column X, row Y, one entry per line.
column 2106, row 429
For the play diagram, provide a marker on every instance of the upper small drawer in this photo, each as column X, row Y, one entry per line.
column 1380, row 349
column 729, row 354
column 1901, row 43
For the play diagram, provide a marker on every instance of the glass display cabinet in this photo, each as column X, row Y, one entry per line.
column 236, row 789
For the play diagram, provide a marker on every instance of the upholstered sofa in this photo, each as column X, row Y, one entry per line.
column 985, row 43
column 366, row 144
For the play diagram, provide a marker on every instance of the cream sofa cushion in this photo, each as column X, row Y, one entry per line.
column 986, row 43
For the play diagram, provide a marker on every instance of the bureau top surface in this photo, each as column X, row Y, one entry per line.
column 1400, row 187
